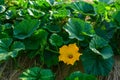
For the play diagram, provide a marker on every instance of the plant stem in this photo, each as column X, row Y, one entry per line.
column 52, row 50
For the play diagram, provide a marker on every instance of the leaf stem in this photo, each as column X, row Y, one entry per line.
column 52, row 50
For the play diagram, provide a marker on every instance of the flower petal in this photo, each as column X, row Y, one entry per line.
column 66, row 51
column 63, row 49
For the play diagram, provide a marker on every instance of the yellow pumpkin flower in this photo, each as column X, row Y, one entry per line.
column 69, row 54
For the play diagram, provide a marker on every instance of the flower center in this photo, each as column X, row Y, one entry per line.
column 70, row 56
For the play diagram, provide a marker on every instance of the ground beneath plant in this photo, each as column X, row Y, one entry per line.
column 10, row 70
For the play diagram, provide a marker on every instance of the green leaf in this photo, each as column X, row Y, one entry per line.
column 46, row 74
column 40, row 35
column 31, row 44
column 35, row 13
column 61, row 13
column 100, row 8
column 2, row 8
column 22, row 3
column 37, row 73
column 101, row 47
column 117, row 6
column 56, row 40
column 43, row 4
column 82, row 7
column 78, row 29
column 25, row 28
column 6, row 26
column 95, row 64
column 105, row 30
column 116, row 17
column 1, row 2
column 16, row 47
column 53, row 28
column 7, row 49
column 39, row 38
column 3, row 35
column 11, row 13
column 50, row 58
column 5, row 43
column 51, row 2
column 77, row 75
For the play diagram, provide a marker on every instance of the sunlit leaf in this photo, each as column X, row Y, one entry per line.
column 7, row 49
column 2, row 8
column 51, row 1
column 35, row 13
column 37, row 73
column 78, row 29
column 62, row 13
column 16, row 47
column 100, row 8
column 82, row 7
column 101, row 47
column 43, row 4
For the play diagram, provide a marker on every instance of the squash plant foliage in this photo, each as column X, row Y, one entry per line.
column 41, row 27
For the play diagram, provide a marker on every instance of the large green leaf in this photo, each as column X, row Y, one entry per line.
column 37, row 73
column 77, row 75
column 56, row 40
column 95, row 64
column 101, row 47
column 9, row 49
column 78, row 29
column 25, row 28
column 83, row 7
column 39, row 38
